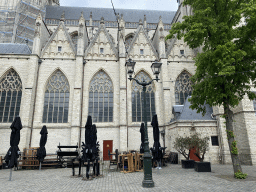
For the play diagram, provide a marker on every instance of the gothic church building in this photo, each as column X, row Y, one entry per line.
column 66, row 63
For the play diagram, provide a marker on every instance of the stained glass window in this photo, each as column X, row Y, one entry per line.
column 182, row 88
column 138, row 99
column 101, row 98
column 10, row 96
column 56, row 99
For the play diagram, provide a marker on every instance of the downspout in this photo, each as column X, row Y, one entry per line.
column 34, row 105
column 82, row 94
column 126, row 108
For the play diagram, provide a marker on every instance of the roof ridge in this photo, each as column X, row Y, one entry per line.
column 115, row 9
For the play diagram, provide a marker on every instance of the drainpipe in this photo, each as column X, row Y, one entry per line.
column 34, row 104
column 126, row 109
column 80, row 137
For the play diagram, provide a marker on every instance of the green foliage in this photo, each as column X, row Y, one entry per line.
column 182, row 145
column 234, row 150
column 226, row 66
column 200, row 144
column 240, row 175
column 230, row 134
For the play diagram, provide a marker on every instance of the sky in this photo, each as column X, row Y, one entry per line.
column 163, row 5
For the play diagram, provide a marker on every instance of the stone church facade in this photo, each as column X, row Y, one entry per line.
column 76, row 67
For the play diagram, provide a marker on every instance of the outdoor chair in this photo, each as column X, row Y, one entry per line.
column 115, row 161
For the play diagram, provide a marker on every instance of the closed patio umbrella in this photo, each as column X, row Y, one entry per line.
column 157, row 152
column 14, row 152
column 88, row 126
column 142, row 136
column 41, row 152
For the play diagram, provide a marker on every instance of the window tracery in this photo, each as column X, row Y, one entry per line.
column 183, row 88
column 56, row 99
column 10, row 96
column 138, row 101
column 101, row 98
column 128, row 41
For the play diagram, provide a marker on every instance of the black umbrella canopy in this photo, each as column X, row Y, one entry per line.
column 142, row 133
column 88, row 127
column 157, row 152
column 154, row 124
column 142, row 136
column 12, row 154
column 41, row 152
column 94, row 134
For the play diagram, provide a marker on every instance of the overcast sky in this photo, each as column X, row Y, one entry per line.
column 164, row 5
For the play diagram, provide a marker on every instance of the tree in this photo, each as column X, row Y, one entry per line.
column 226, row 67
column 200, row 144
column 183, row 145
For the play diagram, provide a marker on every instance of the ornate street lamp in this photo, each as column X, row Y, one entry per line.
column 147, row 159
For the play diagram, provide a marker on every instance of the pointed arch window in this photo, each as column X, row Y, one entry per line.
column 101, row 98
column 56, row 99
column 128, row 41
column 137, row 98
column 183, row 88
column 10, row 96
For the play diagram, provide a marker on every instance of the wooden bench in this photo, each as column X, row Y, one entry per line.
column 66, row 154
column 69, row 156
column 28, row 158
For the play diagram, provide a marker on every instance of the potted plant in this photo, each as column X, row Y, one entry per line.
column 201, row 146
column 183, row 145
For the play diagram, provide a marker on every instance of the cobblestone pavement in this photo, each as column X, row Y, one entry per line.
column 170, row 178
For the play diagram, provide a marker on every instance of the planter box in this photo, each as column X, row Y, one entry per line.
column 187, row 164
column 203, row 166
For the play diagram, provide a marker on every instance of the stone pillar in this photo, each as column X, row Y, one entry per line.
column 123, row 106
column 27, row 102
column 245, row 133
column 77, row 103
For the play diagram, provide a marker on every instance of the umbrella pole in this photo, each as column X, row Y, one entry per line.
column 40, row 166
column 10, row 178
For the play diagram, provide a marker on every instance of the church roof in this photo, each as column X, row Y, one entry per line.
column 13, row 48
column 130, row 15
column 185, row 113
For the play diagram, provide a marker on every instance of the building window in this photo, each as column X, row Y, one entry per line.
column 138, row 101
column 254, row 103
column 101, row 98
column 182, row 88
column 141, row 51
column 182, row 52
column 128, row 41
column 101, row 50
column 74, row 37
column 215, row 141
column 59, row 48
column 10, row 96
column 56, row 99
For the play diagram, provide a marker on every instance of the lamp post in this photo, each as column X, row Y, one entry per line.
column 147, row 159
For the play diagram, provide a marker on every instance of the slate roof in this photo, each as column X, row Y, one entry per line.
column 130, row 15
column 177, row 108
column 13, row 48
column 188, row 114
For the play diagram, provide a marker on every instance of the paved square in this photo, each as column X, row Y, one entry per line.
column 170, row 178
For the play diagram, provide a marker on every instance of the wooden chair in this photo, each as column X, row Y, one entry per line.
column 115, row 161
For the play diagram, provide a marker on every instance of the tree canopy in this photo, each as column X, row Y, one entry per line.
column 226, row 32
